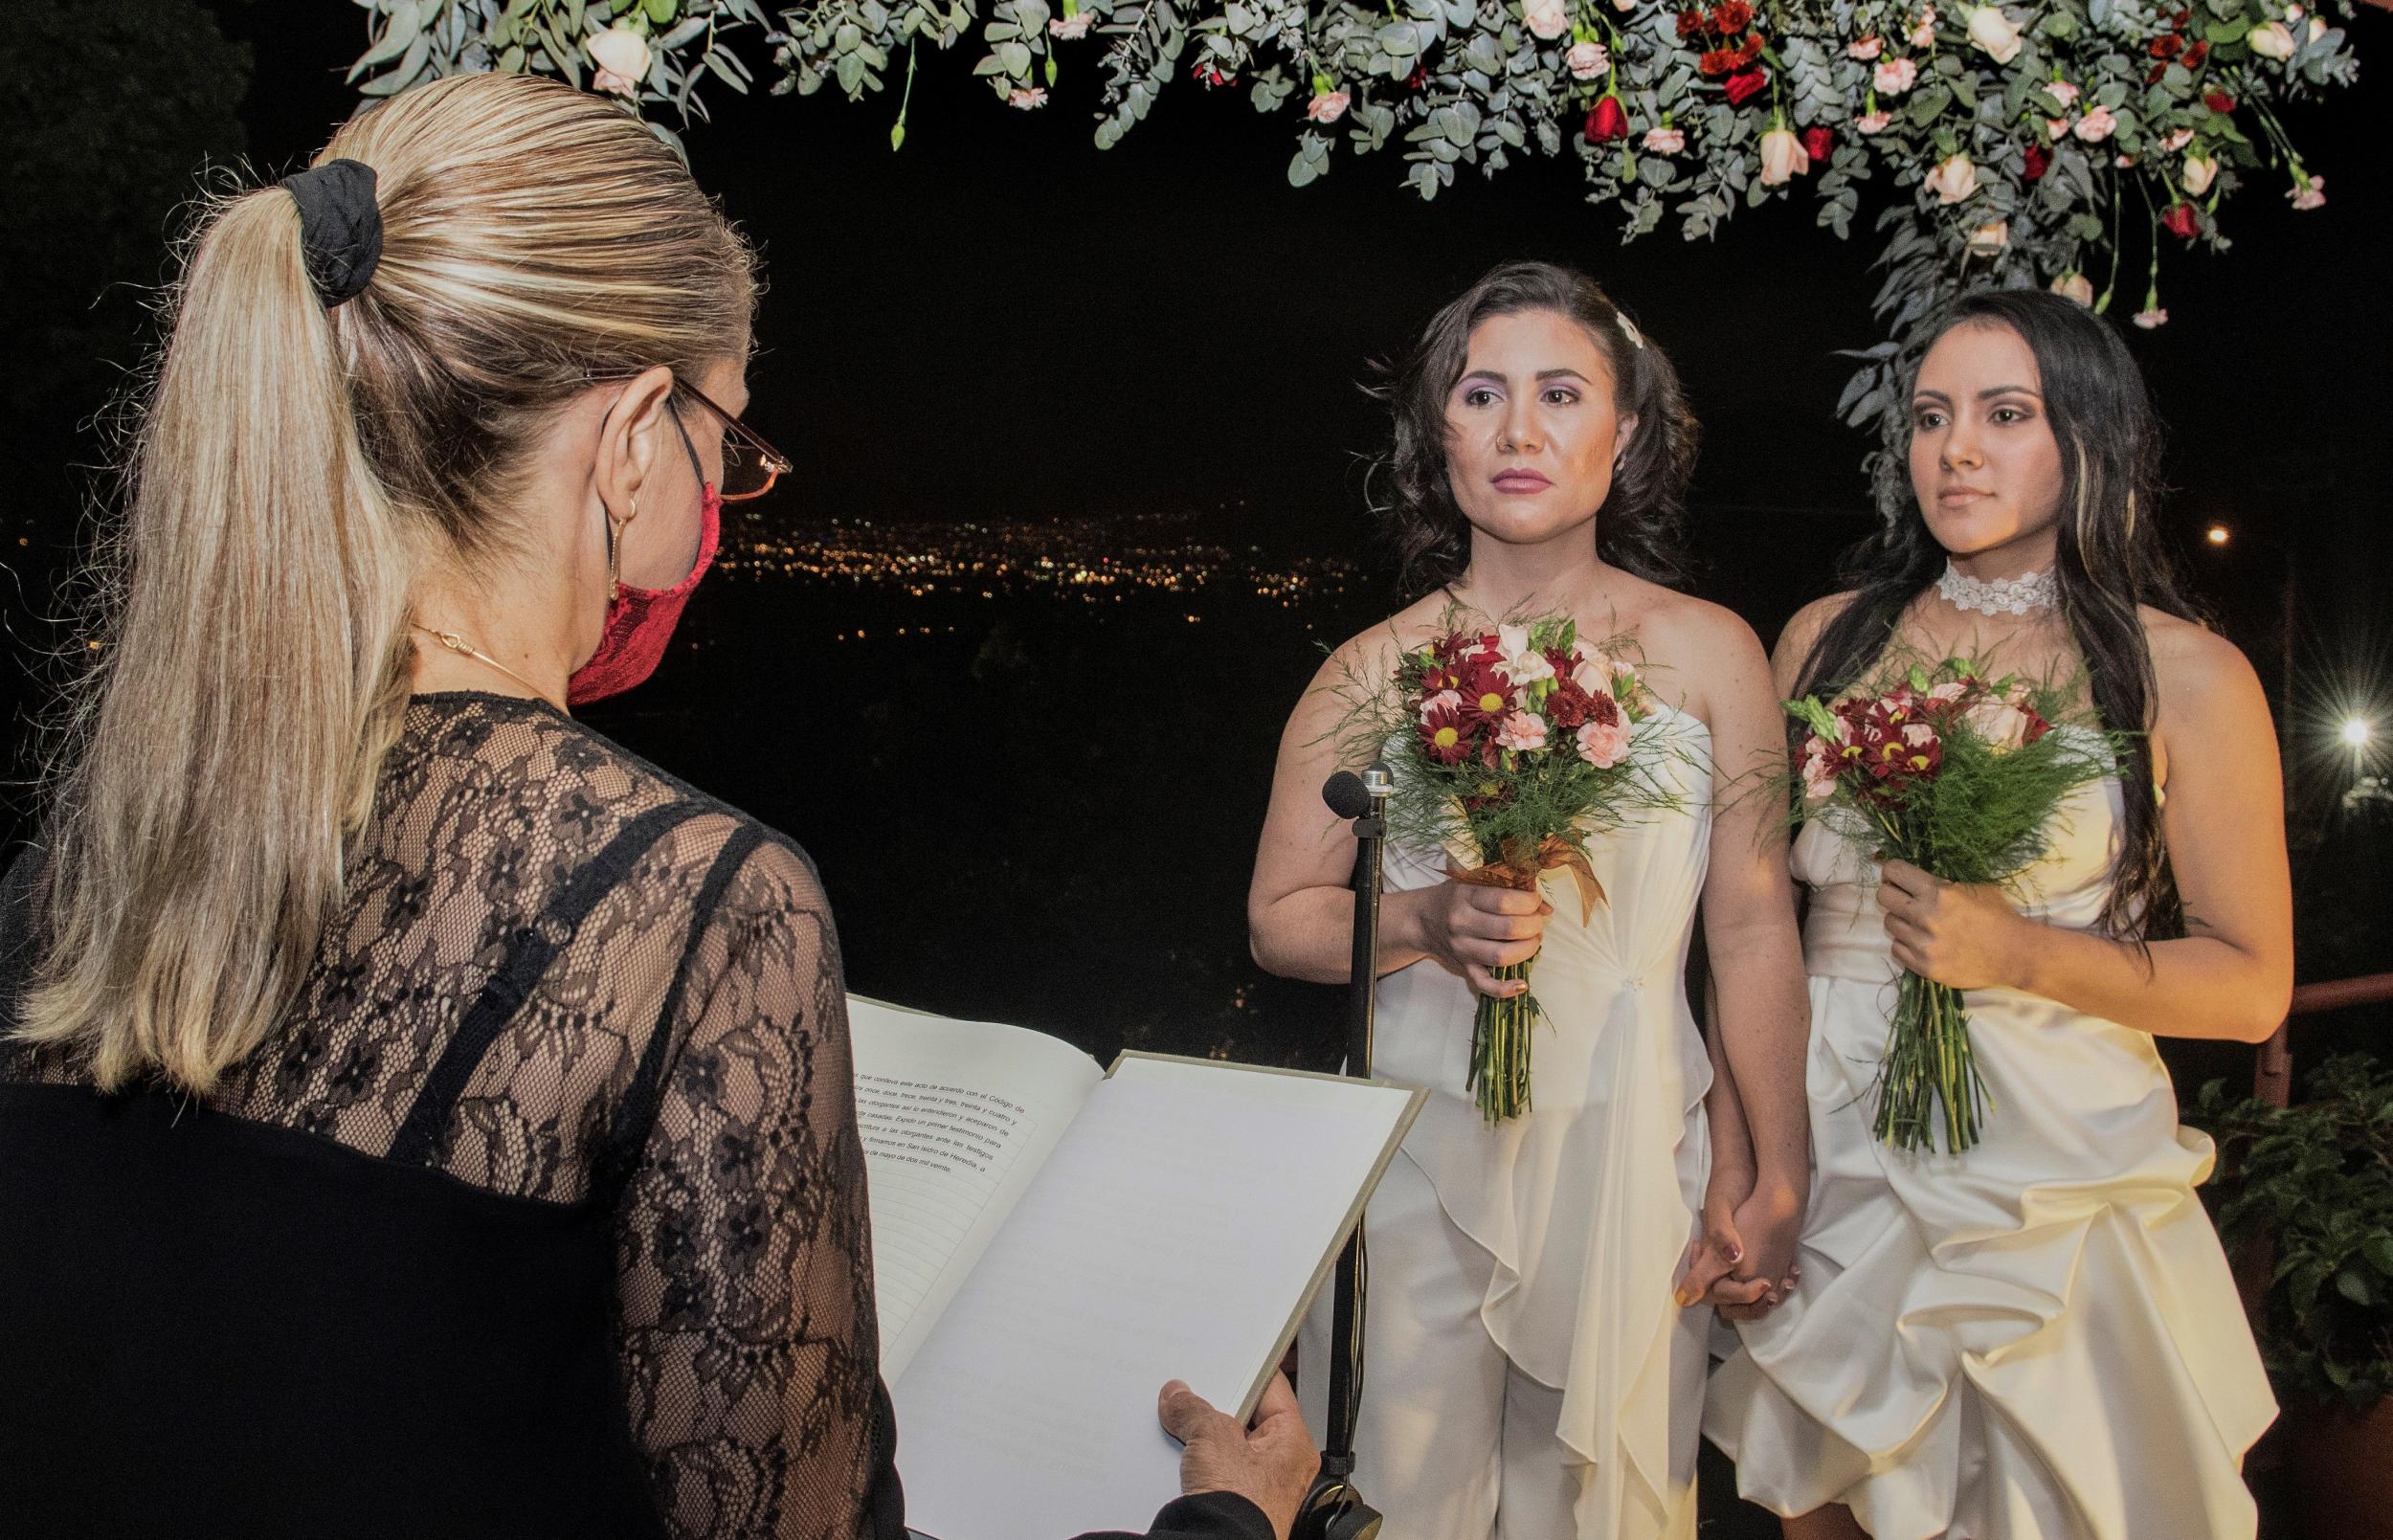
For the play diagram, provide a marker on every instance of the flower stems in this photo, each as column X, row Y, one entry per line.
column 1929, row 1068
column 1499, row 1048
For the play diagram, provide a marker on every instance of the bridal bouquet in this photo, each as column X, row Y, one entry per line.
column 1959, row 775
column 1514, row 745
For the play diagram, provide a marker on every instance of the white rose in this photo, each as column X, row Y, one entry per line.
column 1549, row 19
column 2001, row 724
column 1954, row 180
column 1992, row 31
column 622, row 58
column 1782, row 156
column 2200, row 170
column 2270, row 39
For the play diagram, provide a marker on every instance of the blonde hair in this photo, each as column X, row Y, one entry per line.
column 293, row 471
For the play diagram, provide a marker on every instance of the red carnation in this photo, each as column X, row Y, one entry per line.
column 2038, row 161
column 2217, row 101
column 1689, row 23
column 2166, row 45
column 1741, row 86
column 2195, row 54
column 1750, row 49
column 1606, row 122
column 2154, row 75
column 1817, row 143
column 1716, row 62
column 2184, row 18
column 2180, row 220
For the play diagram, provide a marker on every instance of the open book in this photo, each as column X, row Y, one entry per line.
column 1052, row 1242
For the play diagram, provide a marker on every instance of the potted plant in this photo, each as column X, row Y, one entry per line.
column 2309, row 1190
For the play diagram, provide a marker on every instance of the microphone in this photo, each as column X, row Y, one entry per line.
column 1347, row 795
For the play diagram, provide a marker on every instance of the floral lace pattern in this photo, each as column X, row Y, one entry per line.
column 682, row 1056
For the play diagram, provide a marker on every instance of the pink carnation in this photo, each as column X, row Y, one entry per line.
column 1605, row 743
column 1522, row 731
column 1865, row 49
column 1664, row 141
column 2096, row 125
column 1895, row 75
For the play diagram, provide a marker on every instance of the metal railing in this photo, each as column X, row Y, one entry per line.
column 2272, row 1076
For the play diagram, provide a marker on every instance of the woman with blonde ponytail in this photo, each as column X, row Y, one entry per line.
column 419, row 1117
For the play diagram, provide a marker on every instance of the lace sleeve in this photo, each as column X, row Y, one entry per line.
column 748, row 1344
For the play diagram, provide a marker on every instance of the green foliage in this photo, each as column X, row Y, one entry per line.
column 2315, row 1181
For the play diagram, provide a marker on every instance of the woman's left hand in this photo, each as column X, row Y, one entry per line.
column 1965, row 935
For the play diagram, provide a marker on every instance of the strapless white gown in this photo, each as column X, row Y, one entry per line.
column 2038, row 1339
column 1584, row 1206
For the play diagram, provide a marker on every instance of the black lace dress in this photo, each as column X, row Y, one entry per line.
column 543, row 1214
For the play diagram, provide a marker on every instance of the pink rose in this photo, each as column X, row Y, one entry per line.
column 1664, row 141
column 1782, row 157
column 1895, row 75
column 1605, row 743
column 1522, row 731
column 1026, row 99
column 2003, row 725
column 1327, row 108
column 1874, row 122
column 2311, row 197
column 1865, row 49
column 1587, row 60
column 2096, row 125
column 1070, row 27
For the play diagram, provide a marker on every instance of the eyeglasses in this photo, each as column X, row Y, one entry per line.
column 750, row 465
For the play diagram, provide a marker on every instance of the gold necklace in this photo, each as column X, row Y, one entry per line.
column 459, row 645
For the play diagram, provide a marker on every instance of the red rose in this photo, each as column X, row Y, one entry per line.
column 2217, row 101
column 1741, row 86
column 2180, row 220
column 2038, row 161
column 1606, row 122
column 2195, row 54
column 1818, row 142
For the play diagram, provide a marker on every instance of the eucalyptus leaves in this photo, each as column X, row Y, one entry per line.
column 2022, row 143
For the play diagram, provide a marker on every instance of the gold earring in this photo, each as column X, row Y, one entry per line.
column 614, row 540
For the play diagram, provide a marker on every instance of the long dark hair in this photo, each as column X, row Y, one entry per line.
column 1640, row 526
column 2110, row 559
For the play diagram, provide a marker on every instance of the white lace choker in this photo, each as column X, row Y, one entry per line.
column 2004, row 596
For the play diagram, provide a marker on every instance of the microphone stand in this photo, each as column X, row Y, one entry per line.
column 1333, row 1510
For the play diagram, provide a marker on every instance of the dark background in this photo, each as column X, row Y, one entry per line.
column 1038, row 809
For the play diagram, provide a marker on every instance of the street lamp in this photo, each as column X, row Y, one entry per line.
column 2356, row 732
column 2218, row 534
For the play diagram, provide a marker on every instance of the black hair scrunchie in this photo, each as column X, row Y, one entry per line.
column 340, row 227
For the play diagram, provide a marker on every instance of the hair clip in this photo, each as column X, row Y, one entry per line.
column 1629, row 329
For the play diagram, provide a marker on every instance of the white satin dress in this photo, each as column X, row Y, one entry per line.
column 1527, row 1371
column 2038, row 1339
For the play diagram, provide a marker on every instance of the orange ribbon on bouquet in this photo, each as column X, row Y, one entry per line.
column 1519, row 871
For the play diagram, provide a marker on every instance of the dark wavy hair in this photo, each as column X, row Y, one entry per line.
column 2110, row 558
column 1641, row 526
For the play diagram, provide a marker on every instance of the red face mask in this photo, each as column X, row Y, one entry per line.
column 641, row 621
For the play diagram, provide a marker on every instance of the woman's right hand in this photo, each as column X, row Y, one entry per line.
column 1474, row 931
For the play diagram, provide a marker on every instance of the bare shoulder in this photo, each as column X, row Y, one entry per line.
column 1373, row 652
column 1797, row 637
column 2198, row 671
column 1698, row 630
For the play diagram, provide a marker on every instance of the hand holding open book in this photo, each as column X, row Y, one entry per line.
column 1052, row 1242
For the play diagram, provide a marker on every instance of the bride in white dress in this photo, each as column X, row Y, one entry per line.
column 2037, row 1339
column 1529, row 1371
